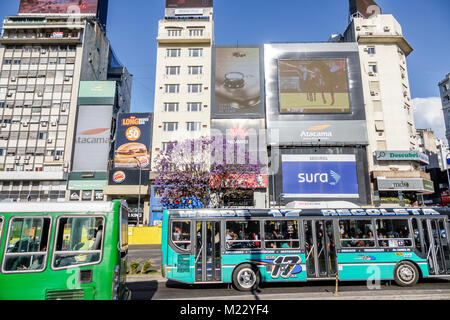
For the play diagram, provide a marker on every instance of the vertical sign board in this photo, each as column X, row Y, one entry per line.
column 238, row 85
column 133, row 140
column 319, row 176
column 93, row 138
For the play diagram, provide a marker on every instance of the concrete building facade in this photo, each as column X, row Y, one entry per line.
column 42, row 61
column 390, row 120
column 444, row 89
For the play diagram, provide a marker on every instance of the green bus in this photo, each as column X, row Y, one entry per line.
column 63, row 251
column 247, row 247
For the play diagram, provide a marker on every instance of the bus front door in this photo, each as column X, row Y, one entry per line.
column 321, row 260
column 437, row 246
column 208, row 259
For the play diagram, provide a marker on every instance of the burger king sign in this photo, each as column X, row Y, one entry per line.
column 119, row 177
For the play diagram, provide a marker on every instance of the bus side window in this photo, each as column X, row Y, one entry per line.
column 281, row 234
column 27, row 245
column 417, row 240
column 181, row 234
column 78, row 241
column 356, row 233
column 242, row 235
column 393, row 233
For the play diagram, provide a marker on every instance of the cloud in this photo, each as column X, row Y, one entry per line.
column 428, row 114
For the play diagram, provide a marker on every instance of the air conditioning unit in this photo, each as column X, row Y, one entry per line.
column 17, row 158
column 54, row 123
column 25, row 124
column 371, row 73
column 13, row 79
column 63, row 110
column 44, row 124
column 66, row 79
column 387, row 28
column 3, row 125
column 57, row 157
column 373, row 93
column 358, row 28
column 44, row 51
column 39, row 94
column 369, row 33
column 26, row 162
column 9, row 94
column 27, row 158
column 49, row 141
column 405, row 93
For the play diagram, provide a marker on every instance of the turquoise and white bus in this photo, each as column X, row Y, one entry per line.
column 247, row 247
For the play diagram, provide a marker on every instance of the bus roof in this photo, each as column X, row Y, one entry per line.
column 292, row 213
column 59, row 207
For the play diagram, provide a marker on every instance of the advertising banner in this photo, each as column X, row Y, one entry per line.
column 238, row 85
column 366, row 8
column 82, row 7
column 128, row 177
column 189, row 3
column 402, row 156
column 133, row 140
column 240, row 181
column 319, row 176
column 406, row 184
column 318, row 132
column 93, row 138
column 313, row 86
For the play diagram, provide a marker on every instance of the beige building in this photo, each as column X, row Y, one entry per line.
column 183, row 77
column 390, row 120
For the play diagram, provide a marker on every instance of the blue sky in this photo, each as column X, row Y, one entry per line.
column 133, row 26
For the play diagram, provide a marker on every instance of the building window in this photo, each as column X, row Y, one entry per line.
column 171, row 107
column 170, row 126
column 172, row 88
column 195, row 52
column 373, row 67
column 194, row 88
column 371, row 50
column 195, row 32
column 174, row 32
column 172, row 70
column 194, row 126
column 194, row 106
column 165, row 145
column 195, row 70
column 173, row 53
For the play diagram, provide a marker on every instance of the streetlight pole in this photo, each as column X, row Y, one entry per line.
column 139, row 195
column 448, row 176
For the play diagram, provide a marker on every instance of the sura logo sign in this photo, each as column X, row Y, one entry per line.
column 332, row 178
column 89, row 136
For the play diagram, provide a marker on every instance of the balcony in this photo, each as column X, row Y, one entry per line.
column 184, row 37
column 43, row 38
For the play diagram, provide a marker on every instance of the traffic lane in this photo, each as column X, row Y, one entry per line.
column 146, row 252
column 174, row 290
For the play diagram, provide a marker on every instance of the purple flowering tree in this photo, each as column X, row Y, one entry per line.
column 208, row 169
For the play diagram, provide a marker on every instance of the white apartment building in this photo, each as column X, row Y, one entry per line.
column 444, row 89
column 42, row 61
column 183, row 77
column 390, row 120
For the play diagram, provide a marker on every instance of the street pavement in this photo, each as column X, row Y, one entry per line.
column 155, row 287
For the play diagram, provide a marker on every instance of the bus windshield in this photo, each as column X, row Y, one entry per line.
column 123, row 228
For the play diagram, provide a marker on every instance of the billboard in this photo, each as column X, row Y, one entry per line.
column 83, row 7
column 402, row 156
column 366, row 8
column 313, row 86
column 93, row 138
column 238, row 83
column 189, row 3
column 133, row 140
column 128, row 177
column 319, row 176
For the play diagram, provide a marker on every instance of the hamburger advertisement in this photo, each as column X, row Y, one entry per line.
column 133, row 141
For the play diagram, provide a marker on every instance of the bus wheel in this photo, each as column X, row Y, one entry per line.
column 406, row 274
column 246, row 277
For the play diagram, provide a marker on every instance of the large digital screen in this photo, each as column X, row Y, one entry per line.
column 313, row 86
column 237, row 85
column 189, row 3
column 319, row 176
column 87, row 7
